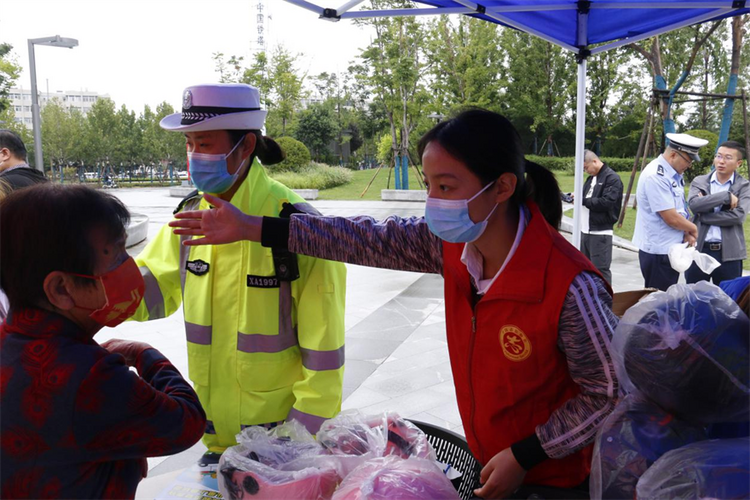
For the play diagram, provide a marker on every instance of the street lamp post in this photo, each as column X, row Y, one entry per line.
column 54, row 41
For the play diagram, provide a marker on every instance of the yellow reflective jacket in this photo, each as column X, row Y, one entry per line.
column 260, row 350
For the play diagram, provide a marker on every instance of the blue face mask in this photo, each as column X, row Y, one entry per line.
column 449, row 219
column 209, row 172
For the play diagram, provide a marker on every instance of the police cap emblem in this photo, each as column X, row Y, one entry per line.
column 187, row 99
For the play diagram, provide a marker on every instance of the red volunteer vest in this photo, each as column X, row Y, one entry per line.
column 507, row 369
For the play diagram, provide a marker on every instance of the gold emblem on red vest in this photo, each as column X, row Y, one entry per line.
column 515, row 343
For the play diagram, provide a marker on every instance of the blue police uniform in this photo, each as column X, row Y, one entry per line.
column 660, row 188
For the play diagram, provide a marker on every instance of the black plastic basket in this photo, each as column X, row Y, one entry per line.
column 451, row 448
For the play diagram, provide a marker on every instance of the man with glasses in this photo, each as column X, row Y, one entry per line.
column 662, row 218
column 720, row 201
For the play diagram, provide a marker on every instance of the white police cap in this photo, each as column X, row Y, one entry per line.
column 686, row 143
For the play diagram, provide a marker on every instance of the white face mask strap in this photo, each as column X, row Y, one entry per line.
column 481, row 191
column 235, row 147
column 491, row 212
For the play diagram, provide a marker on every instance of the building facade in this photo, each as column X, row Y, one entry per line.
column 20, row 101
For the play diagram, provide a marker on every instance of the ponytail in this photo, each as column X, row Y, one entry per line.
column 267, row 150
column 542, row 189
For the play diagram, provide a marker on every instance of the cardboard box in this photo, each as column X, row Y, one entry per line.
column 622, row 301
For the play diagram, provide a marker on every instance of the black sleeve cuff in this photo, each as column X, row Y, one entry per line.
column 529, row 452
column 274, row 233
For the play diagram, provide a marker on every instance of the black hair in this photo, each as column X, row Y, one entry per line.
column 489, row 146
column 267, row 150
column 48, row 227
column 12, row 141
column 736, row 146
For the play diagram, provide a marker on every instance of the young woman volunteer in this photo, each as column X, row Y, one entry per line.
column 528, row 316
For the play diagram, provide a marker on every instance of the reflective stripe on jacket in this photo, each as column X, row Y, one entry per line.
column 260, row 350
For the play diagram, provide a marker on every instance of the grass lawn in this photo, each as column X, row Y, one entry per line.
column 353, row 190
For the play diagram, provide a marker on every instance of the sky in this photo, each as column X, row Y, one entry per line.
column 144, row 52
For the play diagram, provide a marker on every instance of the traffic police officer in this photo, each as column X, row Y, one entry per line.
column 662, row 216
column 265, row 328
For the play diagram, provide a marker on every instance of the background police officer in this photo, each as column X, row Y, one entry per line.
column 662, row 217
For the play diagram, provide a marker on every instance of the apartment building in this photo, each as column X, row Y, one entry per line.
column 20, row 101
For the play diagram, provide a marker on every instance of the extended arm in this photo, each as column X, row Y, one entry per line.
column 395, row 243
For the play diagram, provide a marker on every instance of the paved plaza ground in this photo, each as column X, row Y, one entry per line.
column 396, row 353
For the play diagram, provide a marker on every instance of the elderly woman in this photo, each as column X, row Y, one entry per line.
column 77, row 421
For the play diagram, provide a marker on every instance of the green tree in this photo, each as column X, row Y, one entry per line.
column 316, row 129
column 541, row 85
column 62, row 133
column 9, row 73
column 287, row 86
column 393, row 66
column 102, row 132
column 613, row 94
column 465, row 62
column 166, row 146
column 131, row 137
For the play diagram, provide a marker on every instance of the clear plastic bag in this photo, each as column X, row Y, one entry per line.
column 394, row 478
column 682, row 256
column 709, row 469
column 280, row 445
column 687, row 350
column 283, row 462
column 352, row 433
column 632, row 438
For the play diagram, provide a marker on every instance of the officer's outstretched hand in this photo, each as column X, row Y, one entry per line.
column 224, row 223
column 501, row 476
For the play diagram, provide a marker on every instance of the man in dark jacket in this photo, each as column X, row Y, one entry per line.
column 720, row 201
column 601, row 203
column 13, row 167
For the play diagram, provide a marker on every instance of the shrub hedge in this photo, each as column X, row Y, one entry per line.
column 297, row 154
column 313, row 176
column 566, row 163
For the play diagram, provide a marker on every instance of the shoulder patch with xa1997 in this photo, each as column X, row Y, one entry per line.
column 197, row 267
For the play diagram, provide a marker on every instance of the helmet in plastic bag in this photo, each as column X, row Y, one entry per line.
column 687, row 350
column 709, row 469
column 632, row 438
column 394, row 478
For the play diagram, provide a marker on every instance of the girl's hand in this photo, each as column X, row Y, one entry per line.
column 224, row 223
column 501, row 476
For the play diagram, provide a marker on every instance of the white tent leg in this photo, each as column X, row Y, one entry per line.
column 580, row 139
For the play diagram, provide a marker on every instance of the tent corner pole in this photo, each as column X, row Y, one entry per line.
column 580, row 139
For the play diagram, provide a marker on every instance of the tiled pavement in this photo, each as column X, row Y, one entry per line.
column 396, row 355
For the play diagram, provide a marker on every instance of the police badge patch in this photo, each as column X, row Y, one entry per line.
column 660, row 170
column 197, row 267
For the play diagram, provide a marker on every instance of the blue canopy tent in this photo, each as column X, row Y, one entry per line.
column 581, row 27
